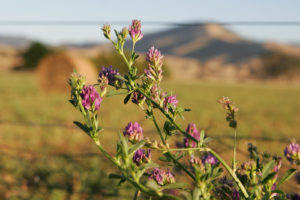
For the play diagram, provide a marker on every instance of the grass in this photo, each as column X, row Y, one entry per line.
column 32, row 153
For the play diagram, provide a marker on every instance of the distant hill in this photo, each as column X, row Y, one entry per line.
column 15, row 41
column 203, row 42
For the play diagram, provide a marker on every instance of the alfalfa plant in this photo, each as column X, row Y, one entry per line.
column 256, row 178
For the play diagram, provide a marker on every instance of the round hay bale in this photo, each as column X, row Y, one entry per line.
column 54, row 70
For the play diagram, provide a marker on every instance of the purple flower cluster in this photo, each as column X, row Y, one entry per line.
column 193, row 131
column 142, row 156
column 209, row 159
column 108, row 73
column 134, row 132
column 90, row 98
column 155, row 60
column 170, row 100
column 292, row 153
column 162, row 177
column 154, row 57
column 135, row 30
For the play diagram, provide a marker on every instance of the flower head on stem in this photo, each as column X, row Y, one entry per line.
column 142, row 156
column 134, row 132
column 90, row 98
column 135, row 30
column 292, row 153
column 162, row 177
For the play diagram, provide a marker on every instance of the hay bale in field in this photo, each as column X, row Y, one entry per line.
column 54, row 70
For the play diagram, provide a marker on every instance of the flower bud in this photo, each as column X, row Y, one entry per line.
column 125, row 32
column 76, row 81
column 106, row 30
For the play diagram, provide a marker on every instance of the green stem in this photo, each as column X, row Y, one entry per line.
column 234, row 151
column 168, row 154
column 229, row 170
column 133, row 46
column 157, row 128
column 125, row 59
column 107, row 155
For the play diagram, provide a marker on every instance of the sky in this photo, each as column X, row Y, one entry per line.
column 151, row 10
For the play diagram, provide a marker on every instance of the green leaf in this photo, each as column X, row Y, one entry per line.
column 164, row 159
column 196, row 193
column 114, row 93
column 83, row 127
column 73, row 103
column 143, row 168
column 152, row 184
column 269, row 177
column 124, row 145
column 169, row 128
column 187, row 195
column 149, row 165
column 135, row 147
column 277, row 191
column 115, row 176
column 289, row 174
column 179, row 185
column 127, row 98
column 267, row 168
column 120, row 77
column 207, row 140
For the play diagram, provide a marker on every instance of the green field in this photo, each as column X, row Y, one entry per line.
column 40, row 161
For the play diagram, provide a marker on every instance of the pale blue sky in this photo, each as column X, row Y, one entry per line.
column 151, row 10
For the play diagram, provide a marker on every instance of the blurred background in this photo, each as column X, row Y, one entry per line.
column 249, row 51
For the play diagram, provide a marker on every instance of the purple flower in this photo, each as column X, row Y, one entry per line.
column 158, row 176
column 292, row 153
column 90, row 98
column 162, row 177
column 170, row 100
column 209, row 159
column 193, row 131
column 134, row 132
column 235, row 195
column 137, row 97
column 154, row 57
column 135, row 30
column 108, row 73
column 141, row 156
